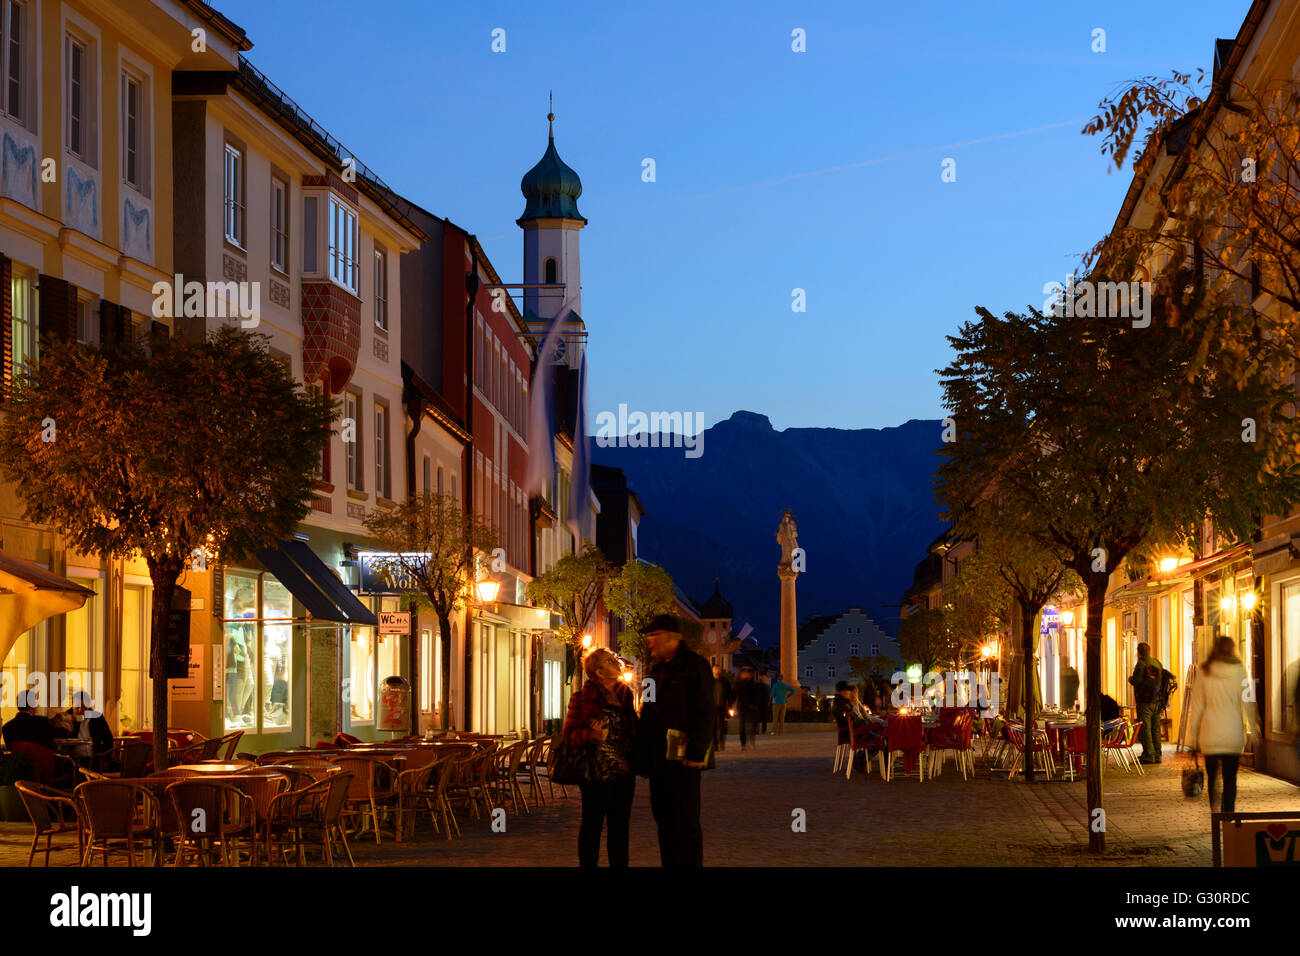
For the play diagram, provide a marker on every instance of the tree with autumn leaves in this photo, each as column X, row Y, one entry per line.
column 171, row 450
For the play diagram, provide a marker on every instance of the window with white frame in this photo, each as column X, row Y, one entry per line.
column 426, row 472
column 352, row 430
column 279, row 225
column 135, row 132
column 854, row 650
column 18, row 60
column 82, row 111
column 381, row 289
column 830, row 671
column 831, row 647
column 875, row 649
column 26, row 351
column 808, row 672
column 343, row 245
column 383, row 486
column 234, row 195
column 87, row 321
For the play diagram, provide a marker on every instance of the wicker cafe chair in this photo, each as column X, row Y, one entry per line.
column 370, row 791
column 210, row 813
column 112, row 813
column 469, row 787
column 135, row 756
column 310, row 816
column 503, row 780
column 53, row 812
column 528, row 767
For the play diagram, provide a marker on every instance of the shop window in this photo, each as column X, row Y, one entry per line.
column 277, row 655
column 241, row 649
column 258, row 613
column 1286, row 717
column 83, row 647
column 135, row 706
column 428, row 668
column 24, row 660
column 361, row 675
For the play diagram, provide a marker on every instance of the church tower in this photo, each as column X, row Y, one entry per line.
column 551, row 223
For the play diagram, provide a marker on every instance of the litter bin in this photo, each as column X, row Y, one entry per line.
column 395, row 704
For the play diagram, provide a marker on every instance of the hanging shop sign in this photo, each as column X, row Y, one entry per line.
column 389, row 572
column 394, row 622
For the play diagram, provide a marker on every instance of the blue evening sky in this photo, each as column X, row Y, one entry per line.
column 687, row 281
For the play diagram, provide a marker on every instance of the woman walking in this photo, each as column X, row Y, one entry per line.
column 601, row 715
column 1218, row 718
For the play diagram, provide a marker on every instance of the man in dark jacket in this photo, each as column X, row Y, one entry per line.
column 1146, row 680
column 678, row 711
column 27, row 726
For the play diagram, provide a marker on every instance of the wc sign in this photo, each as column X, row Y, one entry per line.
column 394, row 622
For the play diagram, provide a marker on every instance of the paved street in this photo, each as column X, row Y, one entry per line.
column 749, row 799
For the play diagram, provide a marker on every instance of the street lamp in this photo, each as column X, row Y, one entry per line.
column 586, row 641
column 1248, row 601
column 487, row 589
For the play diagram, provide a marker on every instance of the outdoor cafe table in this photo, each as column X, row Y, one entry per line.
column 218, row 767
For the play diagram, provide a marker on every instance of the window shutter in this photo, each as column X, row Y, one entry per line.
column 58, row 309
column 111, row 330
column 159, row 331
column 7, row 333
column 125, row 326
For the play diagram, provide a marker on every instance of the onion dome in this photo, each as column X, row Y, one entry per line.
column 551, row 188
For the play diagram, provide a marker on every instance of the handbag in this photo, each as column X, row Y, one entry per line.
column 1193, row 778
column 572, row 765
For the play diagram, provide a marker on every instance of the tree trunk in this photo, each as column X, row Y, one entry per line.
column 1098, row 582
column 1027, row 614
column 444, row 697
column 163, row 573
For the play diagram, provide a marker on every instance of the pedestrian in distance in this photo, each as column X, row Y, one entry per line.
column 722, row 701
column 765, row 695
column 1146, row 680
column 1217, row 719
column 602, row 716
column 781, row 694
column 677, row 726
column 749, row 705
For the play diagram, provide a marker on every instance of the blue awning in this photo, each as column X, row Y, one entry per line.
column 320, row 591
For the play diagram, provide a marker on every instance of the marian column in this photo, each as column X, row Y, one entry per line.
column 788, row 537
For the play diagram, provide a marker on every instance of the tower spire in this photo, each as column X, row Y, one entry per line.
column 550, row 116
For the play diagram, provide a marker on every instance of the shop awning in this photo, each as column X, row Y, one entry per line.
column 29, row 594
column 325, row 597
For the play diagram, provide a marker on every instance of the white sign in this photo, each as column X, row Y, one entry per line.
column 394, row 622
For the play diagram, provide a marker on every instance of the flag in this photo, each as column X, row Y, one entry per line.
column 580, row 480
column 541, row 410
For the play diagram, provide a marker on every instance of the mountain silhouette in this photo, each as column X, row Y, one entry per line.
column 862, row 498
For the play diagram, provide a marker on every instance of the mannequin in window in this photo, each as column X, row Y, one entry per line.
column 277, row 704
column 239, row 673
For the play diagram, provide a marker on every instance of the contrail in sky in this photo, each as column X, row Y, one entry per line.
column 878, row 161
column 866, row 162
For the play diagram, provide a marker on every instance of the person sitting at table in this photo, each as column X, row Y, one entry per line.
column 863, row 726
column 27, row 726
column 88, row 725
column 1109, row 709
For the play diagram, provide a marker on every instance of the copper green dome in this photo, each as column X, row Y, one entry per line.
column 551, row 188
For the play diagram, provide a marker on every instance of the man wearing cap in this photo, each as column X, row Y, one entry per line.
column 678, row 707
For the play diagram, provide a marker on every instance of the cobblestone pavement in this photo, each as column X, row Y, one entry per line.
column 748, row 802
